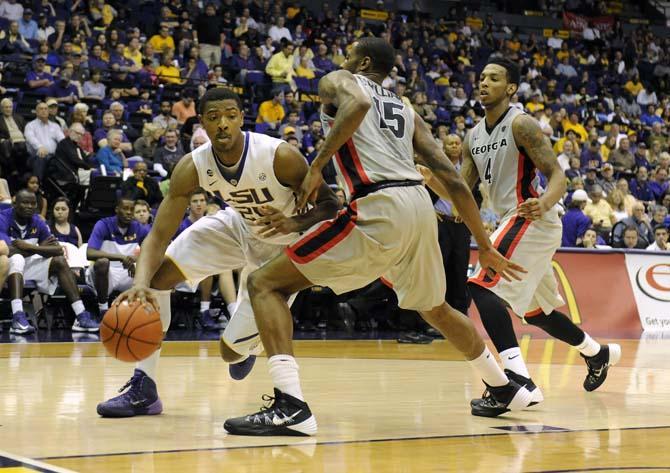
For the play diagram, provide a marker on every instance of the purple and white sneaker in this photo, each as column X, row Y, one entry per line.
column 140, row 400
column 85, row 323
column 20, row 324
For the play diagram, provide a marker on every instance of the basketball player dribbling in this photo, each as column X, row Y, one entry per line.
column 258, row 176
column 505, row 151
column 389, row 230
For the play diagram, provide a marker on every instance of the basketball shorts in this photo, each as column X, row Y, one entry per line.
column 531, row 244
column 37, row 269
column 118, row 278
column 389, row 234
column 217, row 243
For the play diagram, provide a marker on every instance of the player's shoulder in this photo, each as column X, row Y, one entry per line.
column 255, row 139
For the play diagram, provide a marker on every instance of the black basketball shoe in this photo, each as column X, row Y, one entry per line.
column 528, row 384
column 609, row 355
column 284, row 415
column 497, row 400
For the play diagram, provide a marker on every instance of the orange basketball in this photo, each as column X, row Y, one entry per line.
column 130, row 332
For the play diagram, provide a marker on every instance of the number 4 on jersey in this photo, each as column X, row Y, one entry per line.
column 487, row 172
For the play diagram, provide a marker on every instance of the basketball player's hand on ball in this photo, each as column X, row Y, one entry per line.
column 138, row 293
column 494, row 264
column 274, row 222
column 532, row 209
column 309, row 189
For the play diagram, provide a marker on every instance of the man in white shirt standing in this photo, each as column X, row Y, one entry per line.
column 555, row 42
column 42, row 137
column 660, row 239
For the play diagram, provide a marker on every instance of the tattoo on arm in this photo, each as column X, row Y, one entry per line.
column 529, row 136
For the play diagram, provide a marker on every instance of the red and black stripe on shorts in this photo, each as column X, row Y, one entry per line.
column 323, row 238
column 506, row 242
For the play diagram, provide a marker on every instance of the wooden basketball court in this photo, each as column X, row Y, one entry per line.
column 381, row 407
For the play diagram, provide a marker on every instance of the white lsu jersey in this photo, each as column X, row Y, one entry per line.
column 254, row 184
column 381, row 149
column 507, row 171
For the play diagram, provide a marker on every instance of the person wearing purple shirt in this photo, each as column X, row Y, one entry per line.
column 36, row 255
column 590, row 157
column 310, row 138
column 639, row 186
column 95, row 60
column 63, row 90
column 660, row 185
column 321, row 61
column 38, row 80
column 114, row 246
column 243, row 62
column 575, row 223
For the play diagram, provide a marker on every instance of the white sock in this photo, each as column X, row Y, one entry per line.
column 78, row 307
column 103, row 306
column 284, row 374
column 589, row 347
column 204, row 305
column 489, row 369
column 231, row 308
column 17, row 306
column 513, row 361
column 149, row 365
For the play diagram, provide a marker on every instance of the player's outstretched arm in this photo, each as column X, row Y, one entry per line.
column 529, row 137
column 431, row 154
column 290, row 168
column 337, row 89
column 184, row 180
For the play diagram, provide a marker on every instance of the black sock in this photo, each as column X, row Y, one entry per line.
column 495, row 318
column 559, row 326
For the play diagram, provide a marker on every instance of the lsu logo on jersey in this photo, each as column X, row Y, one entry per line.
column 248, row 201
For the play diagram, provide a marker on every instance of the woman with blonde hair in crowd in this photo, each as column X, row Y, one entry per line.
column 146, row 144
column 629, row 200
column 616, row 200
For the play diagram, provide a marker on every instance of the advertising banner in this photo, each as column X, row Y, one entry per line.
column 649, row 276
column 597, row 293
column 578, row 22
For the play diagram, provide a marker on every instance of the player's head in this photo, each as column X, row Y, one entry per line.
column 498, row 81
column 222, row 116
column 372, row 55
column 198, row 202
column 125, row 210
column 25, row 204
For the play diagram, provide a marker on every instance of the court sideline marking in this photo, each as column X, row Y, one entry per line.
column 347, row 442
column 21, row 461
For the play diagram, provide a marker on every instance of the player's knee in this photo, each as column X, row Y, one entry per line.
column 255, row 283
column 539, row 320
column 228, row 354
column 17, row 264
column 58, row 263
column 101, row 266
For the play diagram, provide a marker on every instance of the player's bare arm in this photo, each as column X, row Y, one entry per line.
column 529, row 137
column 430, row 153
column 183, row 182
column 290, row 167
column 340, row 90
column 468, row 171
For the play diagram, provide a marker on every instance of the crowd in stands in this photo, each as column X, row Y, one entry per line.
column 110, row 88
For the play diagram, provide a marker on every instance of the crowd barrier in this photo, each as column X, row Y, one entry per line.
column 612, row 293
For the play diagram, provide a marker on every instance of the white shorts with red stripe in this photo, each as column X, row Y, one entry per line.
column 389, row 234
column 531, row 244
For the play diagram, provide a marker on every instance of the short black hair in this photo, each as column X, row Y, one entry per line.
column 380, row 52
column 512, row 68
column 125, row 198
column 660, row 226
column 219, row 93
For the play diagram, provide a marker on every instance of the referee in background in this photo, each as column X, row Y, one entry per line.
column 453, row 234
